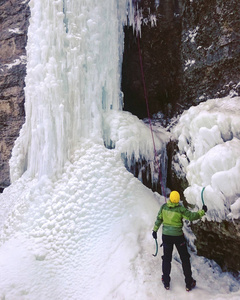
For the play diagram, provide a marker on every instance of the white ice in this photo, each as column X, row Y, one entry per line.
column 73, row 76
column 189, row 63
column 191, row 34
column 75, row 224
column 209, row 143
column 16, row 30
column 21, row 60
column 87, row 235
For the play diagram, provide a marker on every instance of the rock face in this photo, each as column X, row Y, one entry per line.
column 159, row 49
column 14, row 17
column 210, row 50
column 210, row 55
column 220, row 242
column 192, row 54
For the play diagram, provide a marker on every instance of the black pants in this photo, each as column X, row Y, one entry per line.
column 180, row 243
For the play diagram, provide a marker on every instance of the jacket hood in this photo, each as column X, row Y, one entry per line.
column 170, row 204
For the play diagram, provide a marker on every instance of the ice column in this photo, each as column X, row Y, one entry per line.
column 74, row 57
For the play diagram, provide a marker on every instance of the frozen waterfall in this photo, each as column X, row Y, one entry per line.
column 74, row 56
column 74, row 223
column 74, row 220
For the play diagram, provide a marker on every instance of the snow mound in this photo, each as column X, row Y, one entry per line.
column 87, row 235
column 65, row 239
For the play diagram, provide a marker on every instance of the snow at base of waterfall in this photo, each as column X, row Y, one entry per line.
column 87, row 234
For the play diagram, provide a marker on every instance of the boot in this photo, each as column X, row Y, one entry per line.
column 166, row 285
column 190, row 286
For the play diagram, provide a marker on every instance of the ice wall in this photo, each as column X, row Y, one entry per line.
column 209, row 150
column 74, row 55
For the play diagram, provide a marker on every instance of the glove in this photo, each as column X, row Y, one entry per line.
column 204, row 208
column 154, row 234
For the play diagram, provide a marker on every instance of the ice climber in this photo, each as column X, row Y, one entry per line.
column 171, row 215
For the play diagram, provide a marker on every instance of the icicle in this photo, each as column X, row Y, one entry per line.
column 65, row 20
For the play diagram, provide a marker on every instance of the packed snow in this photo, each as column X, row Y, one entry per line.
column 74, row 223
column 87, row 235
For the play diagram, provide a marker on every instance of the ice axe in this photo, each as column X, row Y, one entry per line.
column 202, row 195
column 156, row 248
column 204, row 206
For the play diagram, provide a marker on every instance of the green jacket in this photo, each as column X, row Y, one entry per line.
column 172, row 215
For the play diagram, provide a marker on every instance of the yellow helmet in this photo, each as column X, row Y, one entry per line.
column 174, row 197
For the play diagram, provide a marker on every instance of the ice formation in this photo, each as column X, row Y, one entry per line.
column 132, row 138
column 209, row 142
column 66, row 219
column 73, row 76
column 75, row 224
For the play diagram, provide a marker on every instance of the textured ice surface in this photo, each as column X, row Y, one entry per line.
column 209, row 143
column 74, row 58
column 73, row 237
column 87, row 235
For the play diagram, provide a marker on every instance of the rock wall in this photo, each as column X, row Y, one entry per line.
column 210, row 50
column 192, row 54
column 14, row 15
column 220, row 242
column 160, row 52
column 210, row 55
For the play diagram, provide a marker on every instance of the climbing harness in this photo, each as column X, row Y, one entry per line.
column 149, row 119
column 156, row 248
column 202, row 196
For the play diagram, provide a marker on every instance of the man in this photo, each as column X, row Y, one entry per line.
column 171, row 214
